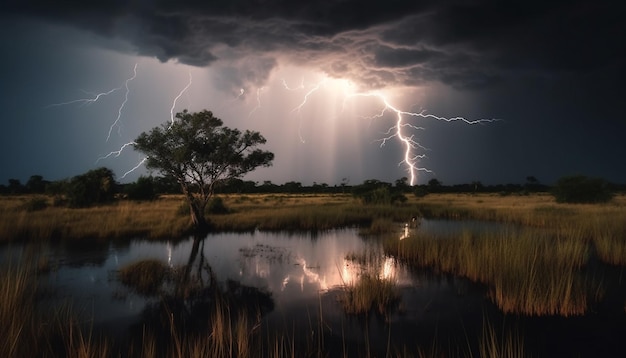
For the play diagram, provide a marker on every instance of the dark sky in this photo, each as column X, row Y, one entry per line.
column 493, row 91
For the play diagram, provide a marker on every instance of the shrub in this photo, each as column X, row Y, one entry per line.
column 35, row 204
column 146, row 276
column 142, row 189
column 582, row 189
column 94, row 187
column 377, row 193
column 216, row 206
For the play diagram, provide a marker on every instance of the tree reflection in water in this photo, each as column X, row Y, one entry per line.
column 193, row 302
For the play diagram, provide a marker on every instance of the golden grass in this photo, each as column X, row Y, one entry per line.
column 370, row 291
column 122, row 219
column 508, row 264
column 17, row 327
column 528, row 272
column 495, row 344
column 232, row 333
column 161, row 218
column 145, row 276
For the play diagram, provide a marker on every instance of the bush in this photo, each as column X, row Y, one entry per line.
column 146, row 276
column 35, row 204
column 377, row 193
column 142, row 189
column 94, row 187
column 216, row 206
column 582, row 189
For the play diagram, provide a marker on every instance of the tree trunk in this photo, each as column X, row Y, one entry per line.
column 197, row 212
column 197, row 217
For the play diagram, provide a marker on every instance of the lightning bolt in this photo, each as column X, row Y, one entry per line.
column 98, row 96
column 177, row 98
column 117, row 153
column 134, row 168
column 293, row 89
column 85, row 101
column 119, row 111
column 298, row 108
column 241, row 93
column 314, row 89
column 410, row 158
column 258, row 101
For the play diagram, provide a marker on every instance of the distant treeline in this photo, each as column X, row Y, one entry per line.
column 99, row 185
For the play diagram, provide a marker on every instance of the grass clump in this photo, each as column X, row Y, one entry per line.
column 373, row 289
column 146, row 276
column 17, row 324
column 528, row 272
column 370, row 293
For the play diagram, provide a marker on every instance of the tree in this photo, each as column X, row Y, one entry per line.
column 403, row 185
column 201, row 154
column 36, row 184
column 142, row 189
column 582, row 189
column 15, row 186
column 94, row 187
column 434, row 185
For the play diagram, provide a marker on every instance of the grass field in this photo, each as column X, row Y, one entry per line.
column 166, row 218
column 538, row 270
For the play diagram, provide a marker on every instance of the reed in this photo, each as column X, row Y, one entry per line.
column 18, row 327
column 79, row 342
column 161, row 218
column 145, row 276
column 27, row 331
column 370, row 291
column 609, row 238
column 528, row 272
column 504, row 344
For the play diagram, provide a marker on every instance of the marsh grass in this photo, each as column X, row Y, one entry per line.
column 503, row 344
column 122, row 219
column 528, row 272
column 77, row 337
column 17, row 325
column 27, row 331
column 370, row 291
column 609, row 238
column 145, row 276
column 161, row 219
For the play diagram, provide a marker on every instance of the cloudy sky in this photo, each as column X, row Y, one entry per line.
column 460, row 91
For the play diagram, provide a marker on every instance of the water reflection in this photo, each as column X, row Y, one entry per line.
column 296, row 278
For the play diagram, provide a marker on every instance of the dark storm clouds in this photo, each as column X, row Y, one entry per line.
column 552, row 70
column 465, row 44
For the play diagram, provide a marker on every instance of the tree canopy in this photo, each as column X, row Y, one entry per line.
column 201, row 153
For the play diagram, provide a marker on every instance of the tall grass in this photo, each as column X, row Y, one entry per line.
column 118, row 220
column 504, row 344
column 528, row 272
column 27, row 331
column 370, row 291
column 17, row 325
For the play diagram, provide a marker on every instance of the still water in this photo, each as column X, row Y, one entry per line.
column 304, row 274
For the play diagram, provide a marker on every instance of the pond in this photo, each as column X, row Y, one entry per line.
column 303, row 275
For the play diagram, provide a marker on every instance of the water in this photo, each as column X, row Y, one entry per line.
column 302, row 276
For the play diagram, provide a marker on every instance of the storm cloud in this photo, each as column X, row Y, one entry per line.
column 553, row 71
column 464, row 44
